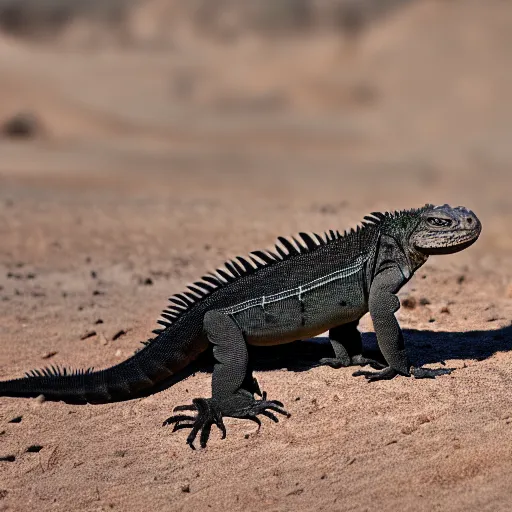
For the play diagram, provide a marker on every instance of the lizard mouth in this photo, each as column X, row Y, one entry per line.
column 448, row 249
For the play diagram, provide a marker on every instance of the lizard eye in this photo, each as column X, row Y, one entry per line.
column 436, row 221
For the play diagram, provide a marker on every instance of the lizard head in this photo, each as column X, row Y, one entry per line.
column 445, row 230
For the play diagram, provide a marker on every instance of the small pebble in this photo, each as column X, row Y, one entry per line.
column 88, row 334
column 35, row 448
column 23, row 125
column 409, row 302
column 424, row 301
column 47, row 355
column 118, row 334
column 185, row 488
column 445, row 309
column 17, row 419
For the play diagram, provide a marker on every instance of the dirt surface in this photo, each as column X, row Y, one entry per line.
column 148, row 168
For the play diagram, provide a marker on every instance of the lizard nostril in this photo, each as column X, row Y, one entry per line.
column 470, row 220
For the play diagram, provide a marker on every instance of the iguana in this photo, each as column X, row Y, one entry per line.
column 307, row 285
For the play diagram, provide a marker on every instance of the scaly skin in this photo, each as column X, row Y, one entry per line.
column 304, row 288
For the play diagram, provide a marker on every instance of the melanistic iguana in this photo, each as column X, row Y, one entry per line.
column 308, row 285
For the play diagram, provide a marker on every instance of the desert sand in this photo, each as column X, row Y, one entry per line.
column 154, row 164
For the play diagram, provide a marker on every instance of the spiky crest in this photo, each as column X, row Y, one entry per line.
column 57, row 371
column 239, row 267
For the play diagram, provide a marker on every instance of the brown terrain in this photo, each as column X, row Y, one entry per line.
column 151, row 155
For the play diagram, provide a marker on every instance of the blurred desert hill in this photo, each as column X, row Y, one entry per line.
column 409, row 74
column 408, row 94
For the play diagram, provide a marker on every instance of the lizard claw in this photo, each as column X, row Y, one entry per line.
column 385, row 374
column 358, row 360
column 190, row 407
column 430, row 373
column 207, row 416
column 210, row 412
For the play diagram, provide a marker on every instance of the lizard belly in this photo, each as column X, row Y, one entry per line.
column 304, row 316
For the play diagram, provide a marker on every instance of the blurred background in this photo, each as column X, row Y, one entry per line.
column 318, row 104
column 143, row 142
column 137, row 127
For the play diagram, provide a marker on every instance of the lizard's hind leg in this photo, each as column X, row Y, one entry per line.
column 233, row 386
column 348, row 348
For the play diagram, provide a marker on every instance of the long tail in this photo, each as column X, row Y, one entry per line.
column 121, row 382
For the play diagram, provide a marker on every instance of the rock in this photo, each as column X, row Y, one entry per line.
column 34, row 448
column 23, row 125
column 118, row 334
column 409, row 302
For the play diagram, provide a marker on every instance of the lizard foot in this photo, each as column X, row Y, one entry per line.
column 210, row 412
column 358, row 360
column 418, row 373
column 262, row 407
column 430, row 373
column 207, row 415
column 385, row 374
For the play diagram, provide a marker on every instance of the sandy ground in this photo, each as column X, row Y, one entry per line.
column 134, row 190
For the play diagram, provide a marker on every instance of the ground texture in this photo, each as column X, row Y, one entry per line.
column 132, row 189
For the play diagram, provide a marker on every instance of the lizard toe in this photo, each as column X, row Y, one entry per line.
column 385, row 374
column 208, row 414
column 333, row 362
column 430, row 373
column 361, row 360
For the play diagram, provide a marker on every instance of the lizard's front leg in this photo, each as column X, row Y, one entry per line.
column 348, row 348
column 233, row 385
column 383, row 303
